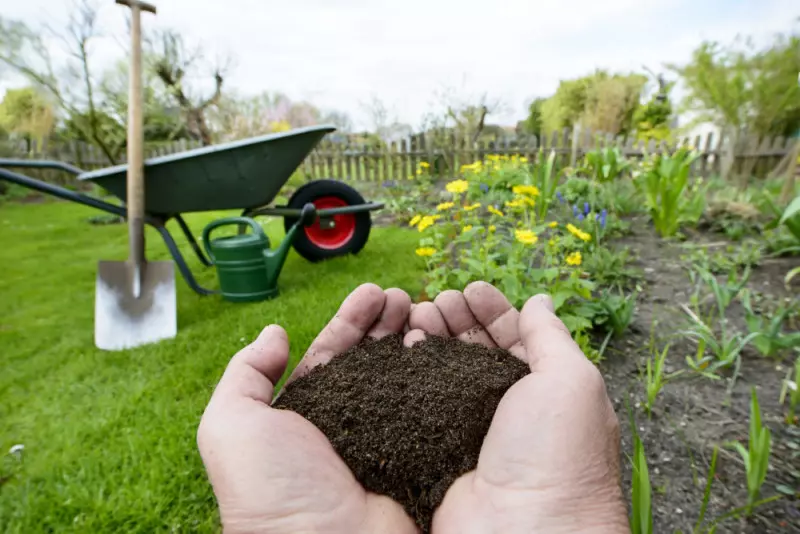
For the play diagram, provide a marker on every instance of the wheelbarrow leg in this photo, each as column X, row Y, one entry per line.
column 178, row 257
column 190, row 238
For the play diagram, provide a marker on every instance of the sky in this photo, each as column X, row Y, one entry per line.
column 340, row 54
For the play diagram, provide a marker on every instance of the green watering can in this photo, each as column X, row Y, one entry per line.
column 247, row 269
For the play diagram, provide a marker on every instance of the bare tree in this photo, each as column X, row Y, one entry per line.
column 172, row 59
column 24, row 51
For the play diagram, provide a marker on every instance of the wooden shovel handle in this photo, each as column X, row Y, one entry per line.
column 143, row 6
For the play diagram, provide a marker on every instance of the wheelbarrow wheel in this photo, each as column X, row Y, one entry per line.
column 336, row 236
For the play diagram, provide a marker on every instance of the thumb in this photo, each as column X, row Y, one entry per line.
column 547, row 341
column 255, row 369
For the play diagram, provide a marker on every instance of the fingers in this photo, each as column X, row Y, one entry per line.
column 548, row 343
column 413, row 336
column 394, row 314
column 426, row 316
column 368, row 309
column 498, row 317
column 461, row 323
column 255, row 369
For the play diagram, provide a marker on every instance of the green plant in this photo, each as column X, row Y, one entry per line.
column 546, row 180
column 605, row 164
column 770, row 338
column 723, row 293
column 654, row 376
column 663, row 181
column 641, row 490
column 712, row 470
column 725, row 348
column 617, row 311
column 791, row 388
column 610, row 266
column 756, row 456
column 791, row 217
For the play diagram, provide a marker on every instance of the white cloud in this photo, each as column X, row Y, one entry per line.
column 338, row 53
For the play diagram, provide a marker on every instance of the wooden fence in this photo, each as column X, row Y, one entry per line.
column 337, row 158
column 399, row 160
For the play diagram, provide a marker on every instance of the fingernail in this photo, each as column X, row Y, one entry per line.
column 545, row 301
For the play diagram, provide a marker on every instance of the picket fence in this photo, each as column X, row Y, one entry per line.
column 340, row 158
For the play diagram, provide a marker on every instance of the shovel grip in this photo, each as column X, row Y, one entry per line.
column 143, row 6
column 225, row 222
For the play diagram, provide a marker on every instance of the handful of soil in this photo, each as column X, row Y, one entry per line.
column 407, row 421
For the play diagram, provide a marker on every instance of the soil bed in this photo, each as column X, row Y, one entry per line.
column 407, row 421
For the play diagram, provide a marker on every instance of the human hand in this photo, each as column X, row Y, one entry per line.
column 272, row 470
column 550, row 461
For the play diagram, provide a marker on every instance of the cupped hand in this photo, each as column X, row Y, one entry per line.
column 550, row 461
column 272, row 470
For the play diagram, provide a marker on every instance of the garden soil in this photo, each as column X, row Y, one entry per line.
column 407, row 421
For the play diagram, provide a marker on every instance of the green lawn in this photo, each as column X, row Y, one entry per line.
column 110, row 437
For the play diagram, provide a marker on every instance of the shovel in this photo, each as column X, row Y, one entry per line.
column 135, row 300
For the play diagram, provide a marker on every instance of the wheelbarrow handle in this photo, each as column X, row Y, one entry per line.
column 225, row 222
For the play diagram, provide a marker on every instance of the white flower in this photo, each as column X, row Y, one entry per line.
column 16, row 449
column 791, row 385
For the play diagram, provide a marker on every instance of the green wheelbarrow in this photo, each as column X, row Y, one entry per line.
column 245, row 175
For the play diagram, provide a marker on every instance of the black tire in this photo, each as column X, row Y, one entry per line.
column 329, row 188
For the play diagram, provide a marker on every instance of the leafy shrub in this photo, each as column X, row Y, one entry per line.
column 605, row 164
column 664, row 181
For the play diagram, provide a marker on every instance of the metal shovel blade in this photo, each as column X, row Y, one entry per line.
column 123, row 319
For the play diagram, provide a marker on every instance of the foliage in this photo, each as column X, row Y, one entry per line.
column 770, row 338
column 618, row 311
column 654, row 377
column 744, row 88
column 533, row 124
column 508, row 244
column 609, row 266
column 605, row 164
column 724, row 260
column 27, row 112
column 756, row 456
column 791, row 385
column 600, row 101
column 791, row 218
column 712, row 471
column 664, row 182
column 641, row 491
column 652, row 119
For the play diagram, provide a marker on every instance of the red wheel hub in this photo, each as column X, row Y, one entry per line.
column 334, row 232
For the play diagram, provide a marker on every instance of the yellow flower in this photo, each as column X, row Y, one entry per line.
column 577, row 232
column 523, row 159
column 574, row 258
column 516, row 203
column 552, row 242
column 444, row 206
column 472, row 206
column 414, row 220
column 457, row 186
column 424, row 164
column 496, row 211
column 526, row 237
column 426, row 251
column 492, row 228
column 553, row 224
column 530, row 190
column 425, row 222
column 466, row 228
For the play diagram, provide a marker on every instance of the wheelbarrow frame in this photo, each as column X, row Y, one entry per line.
column 156, row 220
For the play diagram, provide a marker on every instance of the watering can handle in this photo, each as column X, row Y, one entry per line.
column 224, row 222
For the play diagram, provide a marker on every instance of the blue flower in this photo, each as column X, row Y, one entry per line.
column 580, row 216
column 389, row 183
column 575, row 211
column 560, row 197
column 484, row 188
column 586, row 208
column 603, row 215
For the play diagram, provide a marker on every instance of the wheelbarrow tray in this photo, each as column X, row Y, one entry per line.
column 238, row 175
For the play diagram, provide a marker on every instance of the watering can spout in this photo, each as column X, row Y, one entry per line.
column 276, row 258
